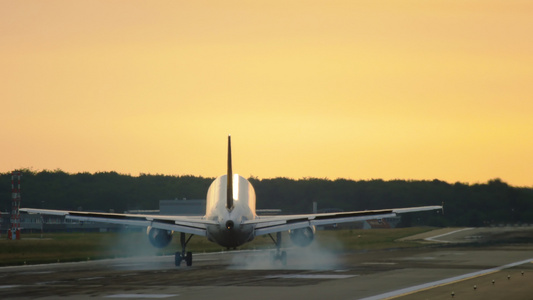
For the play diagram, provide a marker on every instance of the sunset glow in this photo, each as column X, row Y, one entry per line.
column 328, row 89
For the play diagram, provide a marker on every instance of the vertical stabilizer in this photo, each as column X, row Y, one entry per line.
column 229, row 197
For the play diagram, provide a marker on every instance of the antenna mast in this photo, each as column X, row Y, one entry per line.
column 14, row 231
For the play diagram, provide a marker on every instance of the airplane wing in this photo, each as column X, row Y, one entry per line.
column 185, row 224
column 198, row 225
column 271, row 224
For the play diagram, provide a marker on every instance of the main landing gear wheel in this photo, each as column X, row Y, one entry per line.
column 178, row 258
column 183, row 255
column 283, row 258
column 278, row 254
column 188, row 259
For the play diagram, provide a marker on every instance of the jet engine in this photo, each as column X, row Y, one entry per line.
column 302, row 237
column 159, row 238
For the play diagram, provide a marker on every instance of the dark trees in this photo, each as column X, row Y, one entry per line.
column 494, row 202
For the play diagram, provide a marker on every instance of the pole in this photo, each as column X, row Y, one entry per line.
column 14, row 232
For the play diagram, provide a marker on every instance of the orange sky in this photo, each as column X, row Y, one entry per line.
column 352, row 89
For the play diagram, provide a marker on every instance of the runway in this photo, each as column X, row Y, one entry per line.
column 422, row 273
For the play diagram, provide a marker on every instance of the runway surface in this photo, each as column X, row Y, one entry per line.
column 314, row 273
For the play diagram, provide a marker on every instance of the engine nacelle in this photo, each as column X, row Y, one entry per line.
column 302, row 237
column 159, row 238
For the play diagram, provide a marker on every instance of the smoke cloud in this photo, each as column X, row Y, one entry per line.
column 313, row 257
column 135, row 248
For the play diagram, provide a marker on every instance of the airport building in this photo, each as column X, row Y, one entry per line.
column 185, row 207
column 35, row 223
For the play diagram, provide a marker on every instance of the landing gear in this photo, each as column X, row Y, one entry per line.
column 283, row 258
column 183, row 255
column 278, row 254
column 187, row 258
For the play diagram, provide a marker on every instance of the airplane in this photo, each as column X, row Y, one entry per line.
column 230, row 219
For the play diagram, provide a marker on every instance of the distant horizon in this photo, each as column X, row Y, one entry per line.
column 264, row 178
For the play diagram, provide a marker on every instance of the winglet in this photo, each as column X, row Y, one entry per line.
column 229, row 196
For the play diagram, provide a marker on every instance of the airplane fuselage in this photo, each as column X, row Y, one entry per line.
column 230, row 231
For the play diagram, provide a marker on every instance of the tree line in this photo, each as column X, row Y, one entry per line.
column 491, row 203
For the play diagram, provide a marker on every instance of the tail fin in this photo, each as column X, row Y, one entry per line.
column 229, row 196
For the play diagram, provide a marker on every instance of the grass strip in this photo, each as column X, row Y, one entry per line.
column 66, row 247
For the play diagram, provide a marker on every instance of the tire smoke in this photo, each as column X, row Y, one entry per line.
column 313, row 257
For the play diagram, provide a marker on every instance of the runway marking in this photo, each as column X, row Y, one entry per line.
column 309, row 276
column 91, row 278
column 8, row 286
column 51, row 282
column 143, row 296
column 429, row 285
column 37, row 272
column 434, row 238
